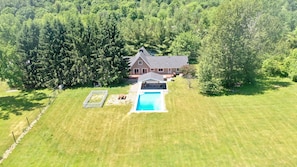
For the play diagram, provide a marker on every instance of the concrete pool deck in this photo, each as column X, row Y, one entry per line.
column 130, row 97
column 137, row 91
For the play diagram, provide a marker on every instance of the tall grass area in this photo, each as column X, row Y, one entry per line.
column 15, row 108
column 248, row 128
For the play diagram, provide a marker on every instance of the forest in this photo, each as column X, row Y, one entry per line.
column 45, row 43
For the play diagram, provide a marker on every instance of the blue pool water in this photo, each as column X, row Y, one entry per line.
column 149, row 101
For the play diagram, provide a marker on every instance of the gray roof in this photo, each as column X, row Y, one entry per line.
column 159, row 61
column 167, row 61
column 143, row 53
column 150, row 76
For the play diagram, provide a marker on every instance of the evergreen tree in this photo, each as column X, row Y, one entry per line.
column 45, row 55
column 91, row 57
column 27, row 48
column 80, row 66
column 55, row 51
column 114, row 67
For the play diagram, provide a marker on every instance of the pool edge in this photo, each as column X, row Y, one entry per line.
column 133, row 109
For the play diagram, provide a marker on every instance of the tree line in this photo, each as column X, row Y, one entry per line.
column 69, row 53
column 231, row 41
column 245, row 35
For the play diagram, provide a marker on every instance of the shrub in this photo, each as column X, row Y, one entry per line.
column 188, row 71
column 211, row 88
column 294, row 78
column 273, row 67
column 5, row 116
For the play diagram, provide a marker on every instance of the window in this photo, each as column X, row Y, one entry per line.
column 136, row 70
column 160, row 70
column 152, row 69
column 140, row 62
column 144, row 70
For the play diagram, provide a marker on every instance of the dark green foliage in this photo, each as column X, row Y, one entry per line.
column 294, row 78
column 28, row 49
column 114, row 68
column 209, row 81
column 233, row 48
column 82, row 42
column 46, row 54
column 71, row 54
column 212, row 87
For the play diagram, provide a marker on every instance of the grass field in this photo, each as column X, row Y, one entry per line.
column 255, row 126
column 15, row 108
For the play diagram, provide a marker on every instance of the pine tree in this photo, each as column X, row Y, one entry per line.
column 77, row 73
column 27, row 49
column 55, row 52
column 45, row 55
column 114, row 67
column 91, row 57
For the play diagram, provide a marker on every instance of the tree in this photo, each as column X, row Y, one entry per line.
column 27, row 47
column 189, row 72
column 291, row 64
column 187, row 44
column 60, row 61
column 275, row 66
column 242, row 32
column 9, row 69
column 75, row 58
column 55, row 54
column 114, row 67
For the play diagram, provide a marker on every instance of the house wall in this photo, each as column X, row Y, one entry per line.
column 139, row 67
column 166, row 70
column 148, row 69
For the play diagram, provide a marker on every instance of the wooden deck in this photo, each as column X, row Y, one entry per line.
column 165, row 76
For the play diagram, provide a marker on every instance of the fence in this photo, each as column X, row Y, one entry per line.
column 90, row 104
column 18, row 138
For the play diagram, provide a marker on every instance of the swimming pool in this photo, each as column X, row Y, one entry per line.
column 150, row 102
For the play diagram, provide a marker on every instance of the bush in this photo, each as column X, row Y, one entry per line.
column 294, row 78
column 272, row 67
column 5, row 116
column 211, row 88
column 188, row 71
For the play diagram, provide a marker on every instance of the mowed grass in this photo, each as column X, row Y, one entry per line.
column 249, row 128
column 15, row 107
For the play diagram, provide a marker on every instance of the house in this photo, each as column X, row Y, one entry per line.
column 143, row 62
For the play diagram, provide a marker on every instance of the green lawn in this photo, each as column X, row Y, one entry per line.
column 256, row 126
column 15, row 108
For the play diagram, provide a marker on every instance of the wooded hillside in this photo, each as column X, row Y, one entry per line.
column 44, row 43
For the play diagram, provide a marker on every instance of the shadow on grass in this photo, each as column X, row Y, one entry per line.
column 25, row 101
column 260, row 87
column 124, row 83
